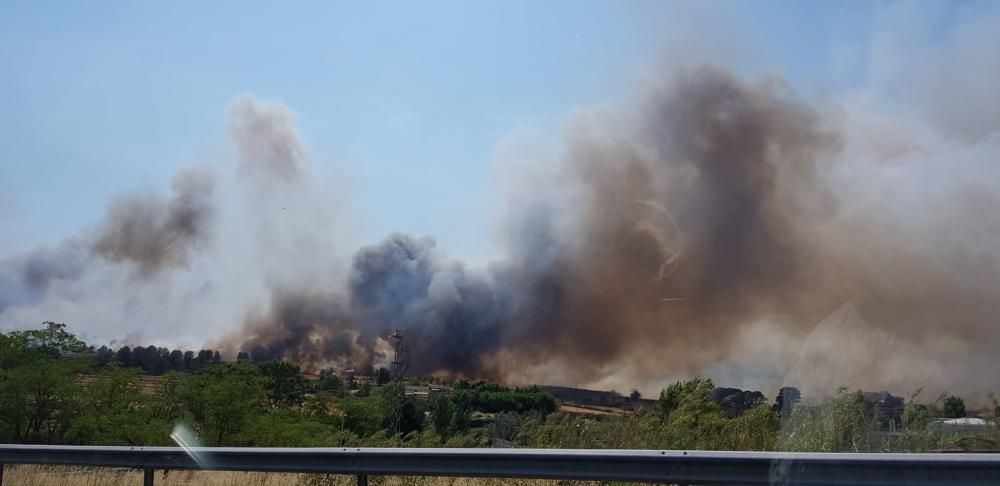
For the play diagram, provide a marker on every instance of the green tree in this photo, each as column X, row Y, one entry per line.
column 37, row 400
column 494, row 398
column 461, row 420
column 124, row 356
column 785, row 402
column 694, row 395
column 441, row 416
column 176, row 360
column 915, row 415
column 113, row 411
column 53, row 338
column 329, row 382
column 364, row 416
column 844, row 424
column 203, row 359
column 285, row 385
column 104, row 356
column 852, row 423
column 506, row 426
column 284, row 428
column 954, row 407
column 37, row 389
column 411, row 418
column 222, row 398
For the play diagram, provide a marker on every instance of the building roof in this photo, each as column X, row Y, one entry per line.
column 966, row 421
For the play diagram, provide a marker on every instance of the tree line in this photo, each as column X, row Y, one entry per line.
column 54, row 390
column 156, row 361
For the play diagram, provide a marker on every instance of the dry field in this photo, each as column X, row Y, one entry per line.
column 29, row 475
column 591, row 411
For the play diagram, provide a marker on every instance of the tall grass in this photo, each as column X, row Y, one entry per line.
column 32, row 475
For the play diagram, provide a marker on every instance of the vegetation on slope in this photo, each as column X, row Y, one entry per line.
column 52, row 391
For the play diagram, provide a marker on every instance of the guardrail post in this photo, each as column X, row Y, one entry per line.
column 1, row 474
column 147, row 477
column 362, row 480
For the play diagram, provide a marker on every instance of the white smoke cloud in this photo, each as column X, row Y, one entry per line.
column 888, row 280
column 181, row 270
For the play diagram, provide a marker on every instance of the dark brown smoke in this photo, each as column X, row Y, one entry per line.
column 726, row 164
column 682, row 230
column 452, row 317
column 152, row 233
column 308, row 326
column 714, row 226
column 710, row 230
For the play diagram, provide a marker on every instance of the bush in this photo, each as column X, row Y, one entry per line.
column 954, row 407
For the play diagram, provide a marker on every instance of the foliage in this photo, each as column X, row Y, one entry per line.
column 37, row 390
column 506, row 426
column 692, row 396
column 53, row 339
column 493, row 398
column 37, row 400
column 53, row 390
column 285, row 385
column 441, row 413
column 954, row 407
column 223, row 398
column 364, row 416
column 156, row 361
column 411, row 417
column 915, row 416
column 461, row 420
column 842, row 425
column 401, row 413
column 328, row 382
column 290, row 429
column 112, row 410
column 786, row 400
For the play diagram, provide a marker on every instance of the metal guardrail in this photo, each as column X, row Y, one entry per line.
column 663, row 467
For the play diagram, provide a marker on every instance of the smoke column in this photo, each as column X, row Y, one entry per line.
column 714, row 224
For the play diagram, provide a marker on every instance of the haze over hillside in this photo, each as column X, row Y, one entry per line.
column 714, row 222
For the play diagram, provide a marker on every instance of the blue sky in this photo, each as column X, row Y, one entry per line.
column 407, row 100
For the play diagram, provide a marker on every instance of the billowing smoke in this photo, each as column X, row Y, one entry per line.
column 141, row 231
column 684, row 228
column 266, row 139
column 715, row 224
column 25, row 278
column 152, row 233
column 727, row 227
column 453, row 317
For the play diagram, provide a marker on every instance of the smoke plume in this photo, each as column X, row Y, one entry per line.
column 266, row 138
column 153, row 233
column 715, row 224
column 677, row 245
